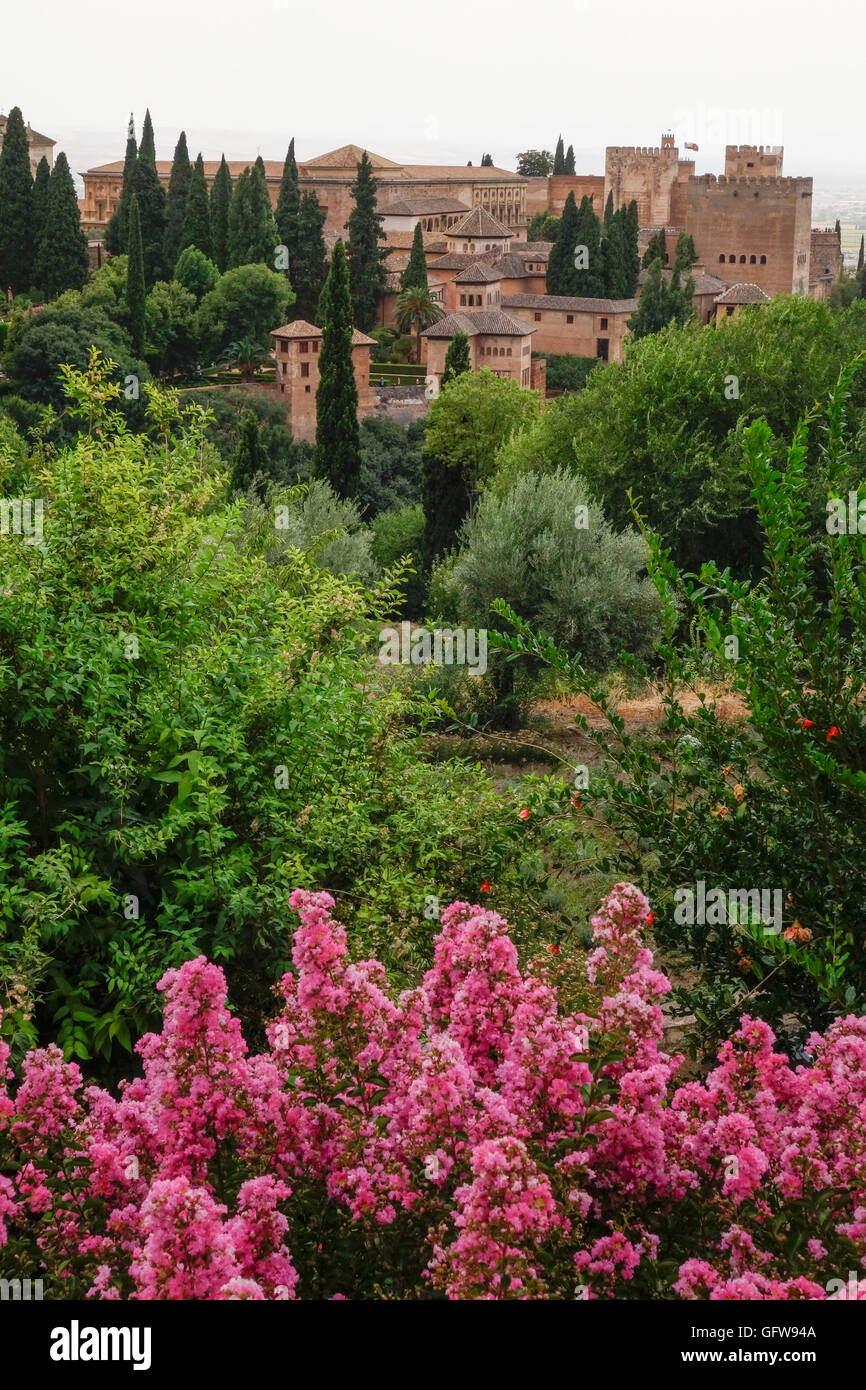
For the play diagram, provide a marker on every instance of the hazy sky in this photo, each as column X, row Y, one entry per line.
column 444, row 81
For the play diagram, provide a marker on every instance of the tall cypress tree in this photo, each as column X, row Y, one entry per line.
column 656, row 249
column 40, row 204
column 249, row 466
column 310, row 268
column 559, row 158
column 569, row 160
column 338, row 451
column 220, row 202
column 632, row 255
column 613, row 259
column 196, row 230
column 62, row 260
column 252, row 230
column 150, row 195
column 608, row 207
column 416, row 271
column 487, row 161
column 365, row 256
column 457, row 359
column 135, row 277
column 175, row 203
column 288, row 207
column 588, row 280
column 560, row 266
column 861, row 255
column 263, row 212
column 16, row 207
column 116, row 230
column 446, row 498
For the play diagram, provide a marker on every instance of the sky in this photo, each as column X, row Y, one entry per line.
column 444, row 82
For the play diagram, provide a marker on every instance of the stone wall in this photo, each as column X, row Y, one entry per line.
column 751, row 229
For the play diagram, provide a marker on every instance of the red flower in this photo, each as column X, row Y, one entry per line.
column 524, row 814
column 553, row 948
column 650, row 918
column 832, row 732
column 576, row 802
column 485, row 887
column 805, row 723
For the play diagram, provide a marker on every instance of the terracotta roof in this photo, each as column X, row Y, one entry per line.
column 478, row 222
column 570, row 303
column 462, row 173
column 411, row 207
column 704, row 284
column 490, row 322
column 743, row 293
column 459, row 260
column 532, row 250
column 301, row 329
column 33, row 136
column 512, row 267
column 478, row 273
column 347, row 157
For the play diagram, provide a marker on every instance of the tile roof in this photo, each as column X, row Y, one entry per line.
column 402, row 241
column 478, row 222
column 478, row 273
column 512, row 267
column 347, row 157
column 532, row 250
column 459, row 260
column 421, row 206
column 492, row 322
column 301, row 329
column 33, row 136
column 570, row 303
column 743, row 293
column 704, row 284
column 462, row 173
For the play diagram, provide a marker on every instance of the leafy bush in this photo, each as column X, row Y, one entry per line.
column 565, row 372
column 246, row 302
column 391, row 463
column 468, row 1139
column 288, row 461
column 397, row 534
column 777, row 803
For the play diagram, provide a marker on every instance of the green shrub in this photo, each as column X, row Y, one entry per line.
column 396, row 534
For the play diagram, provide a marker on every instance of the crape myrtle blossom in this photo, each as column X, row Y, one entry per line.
column 472, row 1137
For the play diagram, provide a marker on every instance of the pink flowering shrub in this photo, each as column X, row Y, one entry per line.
column 465, row 1139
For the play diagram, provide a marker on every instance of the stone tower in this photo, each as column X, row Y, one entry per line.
column 297, row 349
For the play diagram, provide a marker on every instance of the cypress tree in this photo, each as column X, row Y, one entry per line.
column 310, row 267
column 252, row 230
column 365, row 256
column 860, row 257
column 569, row 160
column 150, row 195
column 175, row 203
column 608, row 207
column 239, row 220
column 559, row 158
column 251, row 459
column 656, row 250
column 588, row 280
column 288, row 208
column 263, row 212
column 416, row 271
column 560, row 266
column 16, row 207
column 632, row 255
column 195, row 230
column 685, row 255
column 446, row 499
column 115, row 232
column 220, row 202
column 487, row 161
column 40, row 204
column 338, row 452
column 613, row 259
column 456, row 358
column 62, row 261
column 135, row 281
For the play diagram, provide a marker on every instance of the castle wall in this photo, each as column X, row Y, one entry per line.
column 649, row 175
column 762, row 161
column 825, row 259
column 751, row 229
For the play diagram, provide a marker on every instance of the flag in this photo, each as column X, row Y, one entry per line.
column 690, row 146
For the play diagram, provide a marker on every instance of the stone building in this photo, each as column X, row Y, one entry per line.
column 730, row 303
column 38, row 145
column 296, row 352
column 825, row 260
column 497, row 340
column 575, row 325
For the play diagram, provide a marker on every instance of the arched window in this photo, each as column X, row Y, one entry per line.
column 763, row 260
column 731, row 260
column 742, row 260
column 753, row 260
column 722, row 259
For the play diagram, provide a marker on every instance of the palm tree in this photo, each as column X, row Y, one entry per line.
column 248, row 355
column 416, row 310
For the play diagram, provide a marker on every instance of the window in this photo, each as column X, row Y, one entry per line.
column 742, row 260
column 284, row 347
column 731, row 260
column 315, row 346
column 729, row 309
column 601, row 347
column 537, row 318
column 753, row 260
column 722, row 259
column 305, row 347
column 305, row 369
column 509, row 352
column 282, row 390
column 307, row 389
column 569, row 318
column 463, row 299
column 604, row 323
column 763, row 260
